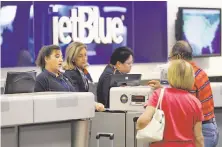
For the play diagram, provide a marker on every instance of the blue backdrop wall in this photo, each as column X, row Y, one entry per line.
column 103, row 26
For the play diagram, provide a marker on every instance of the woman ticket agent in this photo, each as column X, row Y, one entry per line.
column 50, row 60
column 75, row 66
column 121, row 62
column 51, row 79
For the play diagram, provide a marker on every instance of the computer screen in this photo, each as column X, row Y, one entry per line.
column 201, row 27
column 125, row 80
column 20, row 82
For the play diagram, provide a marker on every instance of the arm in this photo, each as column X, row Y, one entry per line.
column 103, row 92
column 155, row 84
column 199, row 139
column 40, row 85
column 145, row 118
column 201, row 85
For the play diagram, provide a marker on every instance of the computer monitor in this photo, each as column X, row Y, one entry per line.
column 125, row 80
column 20, row 82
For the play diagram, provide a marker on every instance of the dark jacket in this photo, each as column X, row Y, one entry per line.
column 47, row 81
column 103, row 86
column 77, row 81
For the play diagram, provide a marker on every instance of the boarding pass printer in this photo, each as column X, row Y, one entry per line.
column 126, row 104
column 129, row 98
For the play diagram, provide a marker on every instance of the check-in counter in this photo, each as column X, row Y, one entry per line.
column 16, row 111
column 126, row 104
column 46, row 119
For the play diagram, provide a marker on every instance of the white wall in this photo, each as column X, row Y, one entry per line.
column 149, row 71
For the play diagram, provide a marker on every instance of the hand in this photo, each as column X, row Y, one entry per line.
column 99, row 107
column 155, row 84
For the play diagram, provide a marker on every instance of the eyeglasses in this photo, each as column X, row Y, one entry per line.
column 170, row 57
column 129, row 63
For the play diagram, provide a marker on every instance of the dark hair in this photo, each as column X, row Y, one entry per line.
column 120, row 54
column 182, row 49
column 45, row 51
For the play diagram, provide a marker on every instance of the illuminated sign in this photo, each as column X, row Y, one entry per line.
column 86, row 25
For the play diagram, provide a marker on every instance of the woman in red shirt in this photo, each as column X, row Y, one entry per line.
column 183, row 114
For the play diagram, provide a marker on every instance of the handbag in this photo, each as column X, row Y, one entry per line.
column 153, row 132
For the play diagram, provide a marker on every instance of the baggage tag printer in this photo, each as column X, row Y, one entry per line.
column 126, row 94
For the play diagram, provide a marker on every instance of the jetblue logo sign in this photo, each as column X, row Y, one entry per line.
column 86, row 25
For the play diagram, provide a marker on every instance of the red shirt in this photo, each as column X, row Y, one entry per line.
column 182, row 111
column 202, row 90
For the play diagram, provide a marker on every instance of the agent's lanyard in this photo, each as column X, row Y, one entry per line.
column 63, row 82
column 84, row 77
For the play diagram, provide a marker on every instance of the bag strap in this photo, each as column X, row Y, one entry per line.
column 160, row 99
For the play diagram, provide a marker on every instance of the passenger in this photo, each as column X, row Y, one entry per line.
column 183, row 114
column 75, row 68
column 201, row 89
column 51, row 78
column 121, row 62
